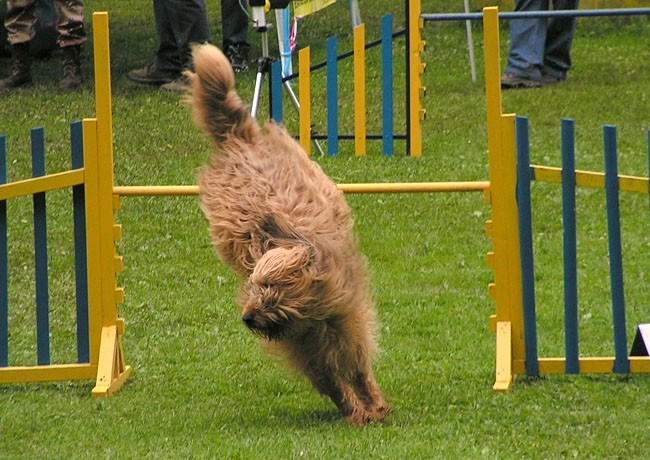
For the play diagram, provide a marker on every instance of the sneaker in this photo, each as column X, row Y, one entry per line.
column 180, row 85
column 238, row 57
column 150, row 74
column 511, row 81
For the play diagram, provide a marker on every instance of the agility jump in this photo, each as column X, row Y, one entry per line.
column 514, row 339
column 99, row 329
column 101, row 357
column 509, row 228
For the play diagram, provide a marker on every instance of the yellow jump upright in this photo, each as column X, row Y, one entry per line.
column 504, row 259
column 415, row 47
column 304, row 60
column 360, row 90
column 105, row 357
column 112, row 370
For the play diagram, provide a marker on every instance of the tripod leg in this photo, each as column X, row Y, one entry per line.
column 256, row 95
column 264, row 67
column 296, row 105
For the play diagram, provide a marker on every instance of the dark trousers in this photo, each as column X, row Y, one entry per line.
column 234, row 22
column 179, row 24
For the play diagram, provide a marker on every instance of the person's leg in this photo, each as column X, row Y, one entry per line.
column 70, row 26
column 188, row 20
column 189, row 24
column 167, row 58
column 527, row 38
column 72, row 35
column 167, row 65
column 559, row 38
column 19, row 22
column 234, row 22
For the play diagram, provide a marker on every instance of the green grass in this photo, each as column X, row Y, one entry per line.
column 201, row 387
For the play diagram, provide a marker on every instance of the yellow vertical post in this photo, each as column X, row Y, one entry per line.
column 105, row 161
column 304, row 95
column 111, row 369
column 416, row 69
column 359, row 48
column 503, row 228
column 492, row 75
column 91, row 178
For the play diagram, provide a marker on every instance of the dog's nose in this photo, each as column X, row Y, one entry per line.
column 248, row 318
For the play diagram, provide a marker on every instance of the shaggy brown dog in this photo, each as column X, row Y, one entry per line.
column 280, row 222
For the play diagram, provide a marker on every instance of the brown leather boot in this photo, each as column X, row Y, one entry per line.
column 72, row 78
column 20, row 70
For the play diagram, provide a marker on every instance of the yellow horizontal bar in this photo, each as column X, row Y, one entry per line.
column 405, row 187
column 50, row 373
column 639, row 364
column 588, row 365
column 155, row 190
column 591, row 179
column 412, row 187
column 41, row 184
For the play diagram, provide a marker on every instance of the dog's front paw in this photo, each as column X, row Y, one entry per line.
column 364, row 417
column 380, row 412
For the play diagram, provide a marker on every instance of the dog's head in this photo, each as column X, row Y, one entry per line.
column 277, row 295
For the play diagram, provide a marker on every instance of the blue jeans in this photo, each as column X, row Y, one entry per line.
column 541, row 46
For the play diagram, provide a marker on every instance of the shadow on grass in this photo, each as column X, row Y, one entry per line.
column 306, row 418
column 301, row 418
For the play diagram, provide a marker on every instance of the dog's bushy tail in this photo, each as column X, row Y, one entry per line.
column 216, row 106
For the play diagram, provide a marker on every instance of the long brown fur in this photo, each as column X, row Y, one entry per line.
column 282, row 225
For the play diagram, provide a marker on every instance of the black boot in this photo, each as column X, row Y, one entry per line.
column 72, row 78
column 20, row 70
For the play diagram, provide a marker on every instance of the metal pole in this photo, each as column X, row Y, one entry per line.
column 470, row 43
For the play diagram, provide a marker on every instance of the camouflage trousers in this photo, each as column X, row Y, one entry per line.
column 21, row 18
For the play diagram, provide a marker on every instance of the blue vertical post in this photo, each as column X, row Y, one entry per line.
column 276, row 91
column 387, row 83
column 40, row 251
column 80, row 251
column 4, row 263
column 526, row 246
column 572, row 363
column 332, row 96
column 621, row 361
